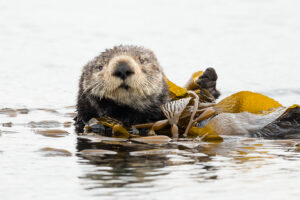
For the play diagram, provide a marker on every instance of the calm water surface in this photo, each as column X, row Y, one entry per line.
column 254, row 45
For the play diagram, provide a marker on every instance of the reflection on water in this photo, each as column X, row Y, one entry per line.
column 136, row 163
column 113, row 168
column 141, row 165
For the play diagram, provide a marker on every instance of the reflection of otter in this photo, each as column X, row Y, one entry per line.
column 126, row 83
column 142, row 170
column 122, row 164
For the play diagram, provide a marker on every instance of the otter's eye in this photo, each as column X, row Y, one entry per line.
column 100, row 67
column 142, row 60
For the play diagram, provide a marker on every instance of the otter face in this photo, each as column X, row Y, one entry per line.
column 128, row 75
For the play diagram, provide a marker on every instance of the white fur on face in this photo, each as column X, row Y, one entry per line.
column 141, row 84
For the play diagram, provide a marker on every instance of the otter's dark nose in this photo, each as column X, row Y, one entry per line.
column 122, row 71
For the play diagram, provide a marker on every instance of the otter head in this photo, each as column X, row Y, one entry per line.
column 128, row 75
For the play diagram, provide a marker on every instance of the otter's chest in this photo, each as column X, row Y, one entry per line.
column 128, row 115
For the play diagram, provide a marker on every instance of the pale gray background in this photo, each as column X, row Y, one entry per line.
column 253, row 44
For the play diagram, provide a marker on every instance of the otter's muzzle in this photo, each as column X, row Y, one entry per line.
column 122, row 71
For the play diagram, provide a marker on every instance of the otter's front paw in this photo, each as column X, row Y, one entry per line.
column 208, row 81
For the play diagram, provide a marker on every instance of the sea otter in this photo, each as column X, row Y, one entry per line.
column 127, row 83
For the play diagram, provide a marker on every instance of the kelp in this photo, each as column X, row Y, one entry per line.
column 173, row 110
column 246, row 101
column 192, row 82
column 196, row 132
column 182, row 114
column 175, row 91
column 101, row 125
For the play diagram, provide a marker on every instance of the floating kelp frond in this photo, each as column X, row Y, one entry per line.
column 239, row 123
column 208, row 112
column 247, row 101
column 160, row 124
column 205, row 105
column 201, row 108
column 173, row 109
column 100, row 125
column 119, row 131
column 174, row 90
column 181, row 110
column 192, row 82
column 204, row 96
column 196, row 104
column 108, row 121
column 177, row 92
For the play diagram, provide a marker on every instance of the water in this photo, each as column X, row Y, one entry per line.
column 253, row 45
